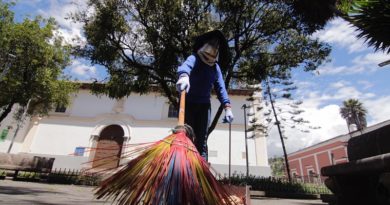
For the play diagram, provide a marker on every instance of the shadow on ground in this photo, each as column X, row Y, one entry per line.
column 24, row 191
column 30, row 202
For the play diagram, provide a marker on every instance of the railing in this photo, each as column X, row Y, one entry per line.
column 61, row 176
column 314, row 179
column 272, row 184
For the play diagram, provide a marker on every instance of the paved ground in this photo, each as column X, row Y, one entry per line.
column 23, row 193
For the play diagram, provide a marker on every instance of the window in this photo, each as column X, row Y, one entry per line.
column 294, row 174
column 172, row 112
column 79, row 151
column 60, row 108
column 312, row 173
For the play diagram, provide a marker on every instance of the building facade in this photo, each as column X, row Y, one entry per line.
column 306, row 164
column 99, row 132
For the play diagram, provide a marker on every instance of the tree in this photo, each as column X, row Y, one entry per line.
column 280, row 109
column 6, row 18
column 354, row 112
column 141, row 43
column 278, row 168
column 370, row 17
column 33, row 76
column 372, row 20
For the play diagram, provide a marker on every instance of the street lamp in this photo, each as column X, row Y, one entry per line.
column 244, row 107
column 230, row 146
column 384, row 63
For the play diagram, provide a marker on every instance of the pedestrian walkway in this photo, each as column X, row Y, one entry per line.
column 23, row 193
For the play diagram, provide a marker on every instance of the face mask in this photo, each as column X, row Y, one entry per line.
column 208, row 54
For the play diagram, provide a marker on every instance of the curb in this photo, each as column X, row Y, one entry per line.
column 255, row 194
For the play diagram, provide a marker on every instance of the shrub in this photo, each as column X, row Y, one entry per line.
column 271, row 184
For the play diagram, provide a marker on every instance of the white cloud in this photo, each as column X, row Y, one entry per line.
column 322, row 109
column 60, row 10
column 341, row 33
column 336, row 91
column 360, row 64
column 371, row 59
column 82, row 71
column 366, row 84
column 330, row 69
column 378, row 109
column 328, row 118
column 339, row 84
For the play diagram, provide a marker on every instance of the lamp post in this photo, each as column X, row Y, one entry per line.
column 384, row 63
column 244, row 107
column 230, row 149
column 230, row 146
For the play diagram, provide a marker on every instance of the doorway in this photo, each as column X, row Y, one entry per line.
column 109, row 148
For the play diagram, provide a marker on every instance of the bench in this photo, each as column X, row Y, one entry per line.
column 25, row 162
column 365, row 179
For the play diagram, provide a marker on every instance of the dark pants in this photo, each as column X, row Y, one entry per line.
column 197, row 115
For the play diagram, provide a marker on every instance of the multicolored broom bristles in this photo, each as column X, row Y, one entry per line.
column 170, row 172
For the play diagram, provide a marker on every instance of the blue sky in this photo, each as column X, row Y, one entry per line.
column 353, row 72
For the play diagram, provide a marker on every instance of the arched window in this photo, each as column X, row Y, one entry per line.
column 172, row 112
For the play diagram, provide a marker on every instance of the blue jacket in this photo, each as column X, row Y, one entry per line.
column 202, row 78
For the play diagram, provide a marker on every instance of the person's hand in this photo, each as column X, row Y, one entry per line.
column 228, row 115
column 183, row 83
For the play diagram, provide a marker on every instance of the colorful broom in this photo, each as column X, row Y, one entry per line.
column 169, row 172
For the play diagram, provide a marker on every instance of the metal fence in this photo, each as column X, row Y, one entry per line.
column 60, row 176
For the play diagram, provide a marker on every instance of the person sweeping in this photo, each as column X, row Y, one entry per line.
column 171, row 171
column 197, row 76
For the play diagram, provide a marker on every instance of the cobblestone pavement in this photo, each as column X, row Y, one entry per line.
column 23, row 193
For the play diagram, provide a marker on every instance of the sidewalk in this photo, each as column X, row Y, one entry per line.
column 23, row 193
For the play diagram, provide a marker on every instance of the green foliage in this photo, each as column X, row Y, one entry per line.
column 65, row 176
column 277, row 166
column 276, row 185
column 370, row 17
column 32, row 59
column 141, row 43
column 281, row 108
column 28, row 176
column 73, row 177
column 315, row 13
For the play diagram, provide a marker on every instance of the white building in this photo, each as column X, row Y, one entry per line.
column 100, row 122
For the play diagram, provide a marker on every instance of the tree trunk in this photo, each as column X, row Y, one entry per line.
column 6, row 111
column 279, row 130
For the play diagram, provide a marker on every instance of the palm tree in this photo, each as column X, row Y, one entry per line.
column 372, row 20
column 354, row 113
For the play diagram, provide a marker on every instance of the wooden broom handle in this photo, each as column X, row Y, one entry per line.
column 182, row 107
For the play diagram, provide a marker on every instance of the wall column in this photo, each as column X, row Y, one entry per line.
column 29, row 138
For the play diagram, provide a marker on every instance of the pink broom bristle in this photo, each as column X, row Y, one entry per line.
column 168, row 172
